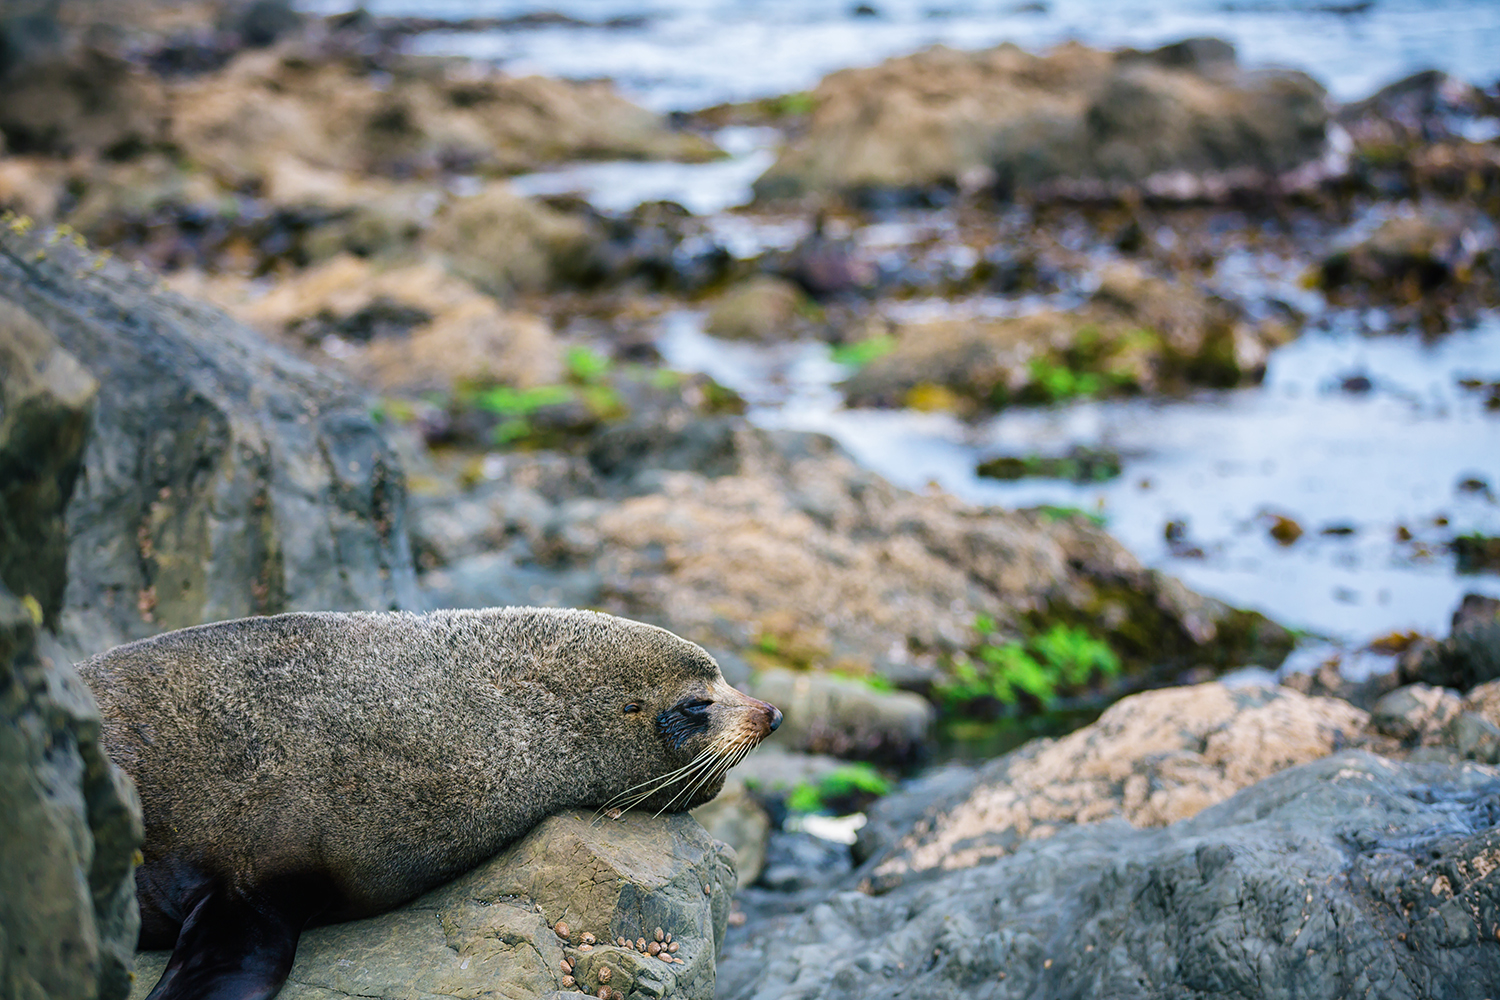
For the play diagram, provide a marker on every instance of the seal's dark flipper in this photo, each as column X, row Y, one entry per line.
column 231, row 948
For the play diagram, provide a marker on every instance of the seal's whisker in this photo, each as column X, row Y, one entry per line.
column 726, row 757
column 686, row 792
column 657, row 779
column 703, row 767
column 638, row 793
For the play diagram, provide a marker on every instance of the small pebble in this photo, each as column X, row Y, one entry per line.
column 653, row 948
column 588, row 938
column 672, row 947
column 659, row 935
column 605, row 974
column 562, row 930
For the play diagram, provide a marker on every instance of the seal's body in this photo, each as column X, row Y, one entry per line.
column 309, row 768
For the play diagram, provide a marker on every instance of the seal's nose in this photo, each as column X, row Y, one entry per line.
column 775, row 717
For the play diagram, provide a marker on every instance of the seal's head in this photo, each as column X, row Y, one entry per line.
column 664, row 724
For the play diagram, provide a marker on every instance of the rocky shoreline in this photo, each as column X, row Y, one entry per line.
column 416, row 388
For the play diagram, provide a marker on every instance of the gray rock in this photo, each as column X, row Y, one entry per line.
column 1349, row 876
column 846, row 717
column 495, row 932
column 1151, row 759
column 1470, row 655
column 773, row 768
column 1416, row 714
column 1075, row 122
column 223, row 477
column 1474, row 737
column 69, row 819
column 892, row 817
column 46, row 400
column 497, row 580
column 741, row 822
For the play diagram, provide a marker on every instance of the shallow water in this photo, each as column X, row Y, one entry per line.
column 701, row 188
column 686, row 54
column 1221, row 463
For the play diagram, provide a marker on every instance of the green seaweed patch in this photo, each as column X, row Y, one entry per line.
column 586, row 365
column 719, row 399
column 1038, row 668
column 1079, row 465
column 1052, row 513
column 1098, row 362
column 793, row 105
column 1056, row 383
column 507, row 401
column 862, row 352
column 1154, row 646
column 846, row 789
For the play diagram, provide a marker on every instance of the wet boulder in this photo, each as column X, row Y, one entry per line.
column 735, row 817
column 547, row 914
column 762, row 309
column 1412, row 256
column 1423, row 108
column 222, row 476
column 1348, row 875
column 1138, row 333
column 70, row 822
column 1075, row 122
column 505, row 244
column 1470, row 656
column 402, row 117
column 1416, row 714
column 846, row 716
column 402, row 328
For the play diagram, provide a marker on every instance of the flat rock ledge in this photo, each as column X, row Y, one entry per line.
column 505, row 929
column 1351, row 876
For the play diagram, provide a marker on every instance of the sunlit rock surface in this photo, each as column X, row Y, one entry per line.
column 506, row 928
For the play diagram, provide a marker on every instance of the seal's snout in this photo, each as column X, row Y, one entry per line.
column 767, row 716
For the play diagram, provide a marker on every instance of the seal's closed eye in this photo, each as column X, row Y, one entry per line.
column 683, row 721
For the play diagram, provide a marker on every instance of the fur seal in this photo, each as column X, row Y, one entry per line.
column 316, row 767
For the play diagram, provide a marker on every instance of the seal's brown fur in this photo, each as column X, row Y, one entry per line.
column 384, row 753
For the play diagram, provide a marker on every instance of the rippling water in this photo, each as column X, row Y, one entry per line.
column 684, row 54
